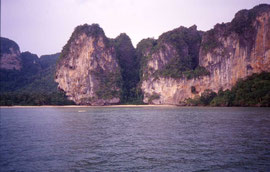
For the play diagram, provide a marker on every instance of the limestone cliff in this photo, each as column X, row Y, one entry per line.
column 87, row 69
column 9, row 55
column 180, row 64
column 228, row 52
column 239, row 48
column 166, row 61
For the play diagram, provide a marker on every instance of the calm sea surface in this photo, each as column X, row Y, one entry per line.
column 135, row 139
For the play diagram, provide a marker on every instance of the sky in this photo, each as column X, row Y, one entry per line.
column 44, row 26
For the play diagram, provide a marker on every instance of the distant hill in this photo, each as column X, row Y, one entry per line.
column 25, row 78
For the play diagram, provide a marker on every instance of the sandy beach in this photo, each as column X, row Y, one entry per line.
column 84, row 106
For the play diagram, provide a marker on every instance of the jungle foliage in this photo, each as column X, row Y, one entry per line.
column 186, row 42
column 252, row 91
column 129, row 65
column 32, row 85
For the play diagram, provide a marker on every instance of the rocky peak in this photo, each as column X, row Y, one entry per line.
column 193, row 27
column 81, row 35
column 243, row 27
column 180, row 64
column 186, row 42
column 30, row 62
column 173, row 53
column 8, row 46
column 237, row 49
column 127, row 59
column 87, row 69
column 255, row 11
column 228, row 52
column 93, row 30
column 123, row 36
column 124, row 50
column 123, row 39
column 9, row 55
column 49, row 60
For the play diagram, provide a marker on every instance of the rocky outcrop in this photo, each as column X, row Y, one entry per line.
column 174, row 50
column 127, row 59
column 9, row 55
column 180, row 64
column 229, row 52
column 164, row 63
column 242, row 48
column 87, row 69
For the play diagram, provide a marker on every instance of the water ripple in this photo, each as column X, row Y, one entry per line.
column 135, row 139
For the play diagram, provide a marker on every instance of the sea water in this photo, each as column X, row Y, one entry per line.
column 134, row 139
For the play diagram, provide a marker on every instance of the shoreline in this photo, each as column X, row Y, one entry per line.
column 85, row 106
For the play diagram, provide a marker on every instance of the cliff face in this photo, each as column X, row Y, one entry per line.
column 166, row 61
column 87, row 69
column 229, row 52
column 10, row 55
column 242, row 48
column 180, row 64
column 174, row 52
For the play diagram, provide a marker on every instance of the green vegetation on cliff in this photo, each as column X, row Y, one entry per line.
column 177, row 69
column 242, row 25
column 175, row 54
column 186, row 43
column 253, row 91
column 129, row 65
column 90, row 30
column 145, row 45
column 109, row 84
column 33, row 85
column 210, row 41
column 6, row 45
column 12, row 80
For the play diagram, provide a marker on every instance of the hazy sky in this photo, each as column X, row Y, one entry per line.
column 44, row 26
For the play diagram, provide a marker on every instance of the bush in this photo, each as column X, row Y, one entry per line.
column 210, row 42
column 207, row 96
column 224, row 98
column 110, row 84
column 253, row 91
column 193, row 102
column 199, row 71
